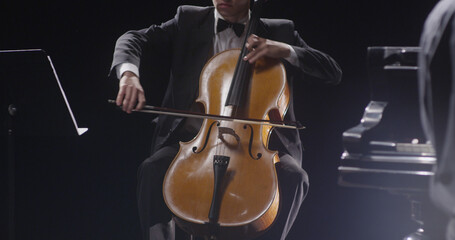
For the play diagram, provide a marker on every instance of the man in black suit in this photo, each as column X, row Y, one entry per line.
column 184, row 44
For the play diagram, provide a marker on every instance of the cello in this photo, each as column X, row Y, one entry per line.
column 223, row 183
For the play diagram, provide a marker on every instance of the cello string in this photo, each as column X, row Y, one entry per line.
column 241, row 74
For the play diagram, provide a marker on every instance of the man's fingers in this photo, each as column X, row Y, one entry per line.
column 130, row 98
column 131, row 95
column 127, row 99
column 120, row 96
column 133, row 100
column 252, row 43
column 256, row 47
column 141, row 101
column 258, row 53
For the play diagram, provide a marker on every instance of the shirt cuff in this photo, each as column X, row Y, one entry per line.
column 292, row 59
column 123, row 67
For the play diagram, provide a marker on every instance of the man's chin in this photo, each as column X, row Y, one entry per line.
column 225, row 12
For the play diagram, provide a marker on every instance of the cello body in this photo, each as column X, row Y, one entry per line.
column 223, row 183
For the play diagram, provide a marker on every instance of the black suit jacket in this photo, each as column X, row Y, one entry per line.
column 184, row 44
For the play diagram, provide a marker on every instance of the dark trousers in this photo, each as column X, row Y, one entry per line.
column 156, row 219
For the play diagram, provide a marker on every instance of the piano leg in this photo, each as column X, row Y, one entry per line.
column 416, row 216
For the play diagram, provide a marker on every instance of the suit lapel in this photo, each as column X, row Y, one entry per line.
column 263, row 30
column 200, row 50
column 201, row 39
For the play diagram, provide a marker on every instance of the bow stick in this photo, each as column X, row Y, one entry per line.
column 181, row 113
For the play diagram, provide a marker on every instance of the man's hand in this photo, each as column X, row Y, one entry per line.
column 130, row 94
column 261, row 47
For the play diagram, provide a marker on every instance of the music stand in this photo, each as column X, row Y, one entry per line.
column 33, row 104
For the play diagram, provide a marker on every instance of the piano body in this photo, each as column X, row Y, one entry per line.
column 387, row 150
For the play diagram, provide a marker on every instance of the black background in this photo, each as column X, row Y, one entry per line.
column 84, row 187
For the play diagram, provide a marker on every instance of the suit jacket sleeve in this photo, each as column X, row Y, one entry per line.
column 314, row 65
column 130, row 47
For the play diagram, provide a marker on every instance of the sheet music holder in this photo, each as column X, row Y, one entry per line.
column 35, row 95
column 33, row 104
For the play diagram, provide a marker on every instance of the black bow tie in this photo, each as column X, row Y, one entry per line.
column 237, row 27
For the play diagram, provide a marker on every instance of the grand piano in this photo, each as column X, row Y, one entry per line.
column 387, row 150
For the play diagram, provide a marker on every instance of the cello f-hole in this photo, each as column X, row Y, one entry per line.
column 259, row 155
column 206, row 138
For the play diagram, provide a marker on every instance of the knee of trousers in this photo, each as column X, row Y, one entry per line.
column 296, row 180
column 150, row 169
column 301, row 179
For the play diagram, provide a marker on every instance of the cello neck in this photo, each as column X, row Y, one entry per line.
column 243, row 70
